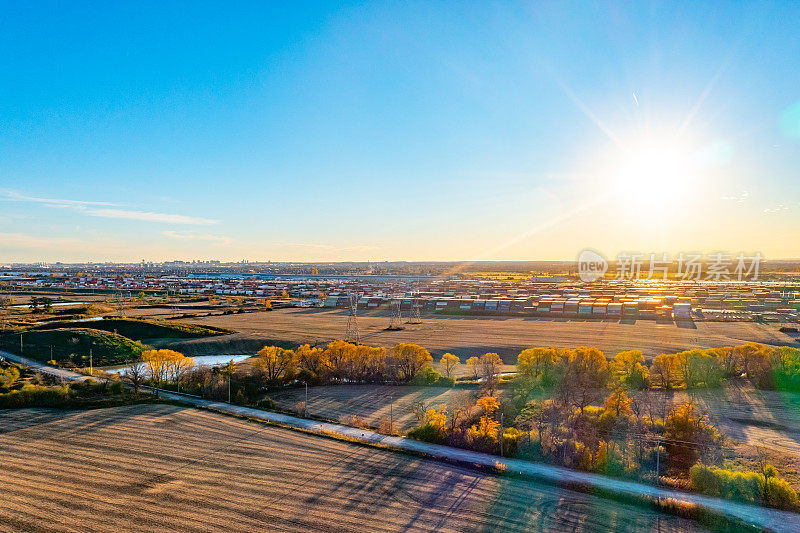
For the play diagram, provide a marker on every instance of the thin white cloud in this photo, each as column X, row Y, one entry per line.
column 53, row 202
column 777, row 209
column 739, row 198
column 147, row 216
column 108, row 210
column 207, row 237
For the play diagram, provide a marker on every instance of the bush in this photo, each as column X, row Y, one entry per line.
column 431, row 378
column 34, row 396
column 511, row 440
column 428, row 432
column 749, row 486
column 266, row 403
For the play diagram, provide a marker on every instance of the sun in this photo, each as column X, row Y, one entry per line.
column 652, row 175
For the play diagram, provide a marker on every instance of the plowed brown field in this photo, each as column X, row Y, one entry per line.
column 154, row 468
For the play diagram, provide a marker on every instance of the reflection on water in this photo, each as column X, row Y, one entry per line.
column 200, row 360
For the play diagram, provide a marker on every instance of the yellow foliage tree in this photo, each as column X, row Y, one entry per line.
column 448, row 364
column 489, row 404
column 275, row 362
column 618, row 403
column 472, row 364
column 539, row 363
column 408, row 359
column 486, row 428
column 629, row 367
column 665, row 370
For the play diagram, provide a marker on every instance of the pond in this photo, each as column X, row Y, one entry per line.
column 200, row 360
column 53, row 304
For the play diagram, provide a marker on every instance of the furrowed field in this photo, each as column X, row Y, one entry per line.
column 153, row 467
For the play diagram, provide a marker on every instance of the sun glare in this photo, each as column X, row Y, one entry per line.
column 652, row 175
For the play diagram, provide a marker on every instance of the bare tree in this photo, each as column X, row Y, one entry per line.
column 417, row 408
column 136, row 374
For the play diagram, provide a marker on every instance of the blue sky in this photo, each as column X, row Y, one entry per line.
column 414, row 130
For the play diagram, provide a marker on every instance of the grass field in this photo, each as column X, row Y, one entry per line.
column 157, row 467
column 466, row 336
column 72, row 345
column 141, row 330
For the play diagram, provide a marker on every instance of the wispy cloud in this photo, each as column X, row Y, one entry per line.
column 207, row 237
column 738, row 198
column 777, row 209
column 52, row 202
column 108, row 210
column 149, row 216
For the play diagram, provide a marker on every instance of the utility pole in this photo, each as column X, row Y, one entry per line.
column 658, row 461
column 391, row 413
column 91, row 363
column 305, row 404
column 501, row 434
column 20, row 344
column 229, row 387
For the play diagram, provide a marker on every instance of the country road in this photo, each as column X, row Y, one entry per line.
column 769, row 519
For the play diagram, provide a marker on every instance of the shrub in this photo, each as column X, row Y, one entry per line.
column 749, row 486
column 33, row 396
column 427, row 432
column 266, row 403
column 511, row 440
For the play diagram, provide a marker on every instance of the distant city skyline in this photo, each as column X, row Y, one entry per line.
column 379, row 131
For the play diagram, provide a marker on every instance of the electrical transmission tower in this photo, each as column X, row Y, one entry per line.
column 120, row 303
column 173, row 291
column 352, row 334
column 414, row 317
column 394, row 321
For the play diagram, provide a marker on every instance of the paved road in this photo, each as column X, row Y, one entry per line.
column 769, row 519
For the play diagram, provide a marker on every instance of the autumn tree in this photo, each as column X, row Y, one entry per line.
column 158, row 364
column 177, row 367
column 585, row 374
column 8, row 377
column 274, row 362
column 312, row 361
column 727, row 359
column 618, row 403
column 540, row 364
column 448, row 364
column 472, row 365
column 408, row 359
column 664, row 370
column 757, row 362
column 699, row 368
column 689, row 437
column 490, row 366
column 628, row 367
column 487, row 428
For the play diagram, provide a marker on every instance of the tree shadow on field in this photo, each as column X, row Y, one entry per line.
column 64, row 424
column 376, row 483
column 686, row 324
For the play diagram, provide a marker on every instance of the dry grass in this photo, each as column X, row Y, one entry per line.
column 468, row 336
column 159, row 467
